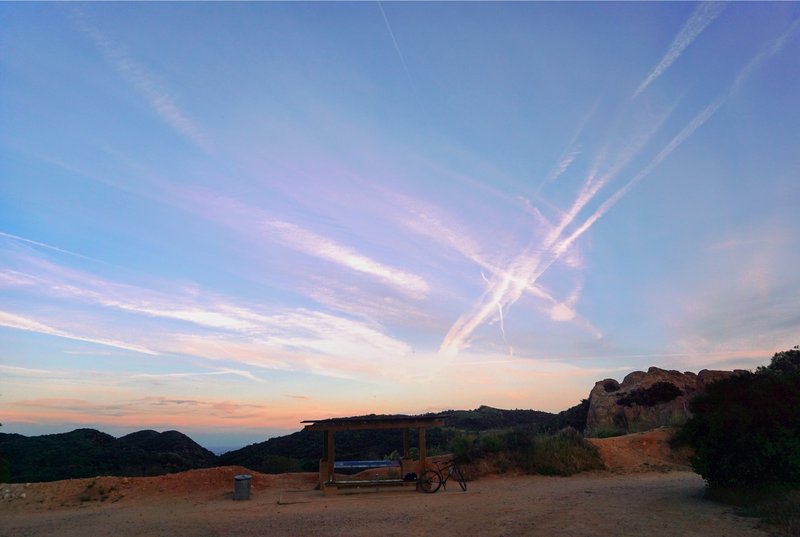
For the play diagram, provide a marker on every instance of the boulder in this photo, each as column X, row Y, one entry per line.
column 645, row 400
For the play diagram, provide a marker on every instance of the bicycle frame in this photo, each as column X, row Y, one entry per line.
column 433, row 478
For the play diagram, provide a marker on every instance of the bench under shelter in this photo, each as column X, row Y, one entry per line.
column 328, row 464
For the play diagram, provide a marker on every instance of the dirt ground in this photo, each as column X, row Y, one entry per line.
column 646, row 491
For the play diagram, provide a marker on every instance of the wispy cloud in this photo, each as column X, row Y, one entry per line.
column 154, row 412
column 19, row 322
column 146, row 83
column 313, row 244
column 426, row 220
column 216, row 327
column 258, row 224
column 26, row 371
column 562, row 166
column 235, row 372
column 703, row 15
column 360, row 301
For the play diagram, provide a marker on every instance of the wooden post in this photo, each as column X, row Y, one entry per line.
column 405, row 443
column 330, row 454
column 423, row 451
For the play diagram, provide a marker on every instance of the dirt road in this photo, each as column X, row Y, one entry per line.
column 600, row 504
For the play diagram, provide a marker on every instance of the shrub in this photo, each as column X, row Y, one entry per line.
column 461, row 446
column 563, row 453
column 660, row 392
column 745, row 429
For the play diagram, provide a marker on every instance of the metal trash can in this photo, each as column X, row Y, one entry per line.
column 241, row 487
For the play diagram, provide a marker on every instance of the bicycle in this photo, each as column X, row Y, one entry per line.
column 433, row 478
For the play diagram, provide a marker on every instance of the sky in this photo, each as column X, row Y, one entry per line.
column 226, row 218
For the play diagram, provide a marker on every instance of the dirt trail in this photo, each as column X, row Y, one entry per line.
column 642, row 452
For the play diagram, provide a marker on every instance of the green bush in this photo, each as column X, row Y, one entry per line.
column 563, row 453
column 493, row 443
column 745, row 429
column 461, row 446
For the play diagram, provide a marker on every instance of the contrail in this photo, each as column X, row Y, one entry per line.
column 770, row 49
column 703, row 15
column 397, row 47
column 529, row 266
column 145, row 83
column 687, row 131
column 49, row 247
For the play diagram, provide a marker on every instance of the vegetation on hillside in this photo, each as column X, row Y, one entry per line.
column 528, row 450
column 303, row 449
column 574, row 417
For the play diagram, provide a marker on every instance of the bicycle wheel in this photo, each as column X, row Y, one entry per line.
column 430, row 481
column 456, row 471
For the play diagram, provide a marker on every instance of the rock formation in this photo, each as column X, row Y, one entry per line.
column 644, row 401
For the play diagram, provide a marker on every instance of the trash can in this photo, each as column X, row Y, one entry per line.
column 241, row 487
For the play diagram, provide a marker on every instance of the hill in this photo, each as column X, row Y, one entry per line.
column 88, row 452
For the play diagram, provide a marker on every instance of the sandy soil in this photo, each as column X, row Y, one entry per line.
column 641, row 495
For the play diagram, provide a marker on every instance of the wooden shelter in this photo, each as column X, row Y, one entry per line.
column 329, row 427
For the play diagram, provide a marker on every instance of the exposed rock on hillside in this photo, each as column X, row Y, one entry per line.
column 644, row 401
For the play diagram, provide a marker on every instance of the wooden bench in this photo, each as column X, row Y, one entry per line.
column 343, row 465
column 358, row 465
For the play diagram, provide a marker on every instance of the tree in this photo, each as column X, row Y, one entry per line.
column 784, row 362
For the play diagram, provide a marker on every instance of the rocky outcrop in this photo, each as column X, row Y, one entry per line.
column 644, row 401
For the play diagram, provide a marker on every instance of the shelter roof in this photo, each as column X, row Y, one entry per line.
column 374, row 421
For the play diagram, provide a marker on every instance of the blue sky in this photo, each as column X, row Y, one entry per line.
column 227, row 218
